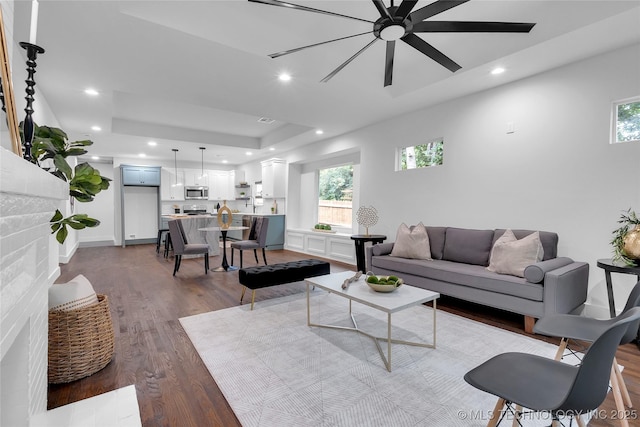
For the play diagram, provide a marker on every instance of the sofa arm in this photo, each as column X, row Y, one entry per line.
column 565, row 288
column 378, row 249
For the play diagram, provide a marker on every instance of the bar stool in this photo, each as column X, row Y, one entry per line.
column 159, row 239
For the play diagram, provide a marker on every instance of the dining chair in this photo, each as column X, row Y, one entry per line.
column 545, row 385
column 257, row 239
column 587, row 329
column 182, row 247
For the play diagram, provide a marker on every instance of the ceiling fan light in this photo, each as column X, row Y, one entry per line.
column 392, row 32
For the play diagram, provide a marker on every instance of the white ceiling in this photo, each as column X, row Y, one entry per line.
column 196, row 73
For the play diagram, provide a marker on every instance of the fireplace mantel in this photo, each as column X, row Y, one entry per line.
column 29, row 264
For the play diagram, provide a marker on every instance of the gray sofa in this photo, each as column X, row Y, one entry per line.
column 458, row 269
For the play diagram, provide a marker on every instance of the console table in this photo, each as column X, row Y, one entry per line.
column 610, row 266
column 360, row 240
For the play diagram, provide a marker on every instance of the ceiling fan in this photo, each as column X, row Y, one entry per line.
column 400, row 23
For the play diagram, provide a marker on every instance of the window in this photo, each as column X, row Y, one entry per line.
column 626, row 121
column 335, row 193
column 421, row 156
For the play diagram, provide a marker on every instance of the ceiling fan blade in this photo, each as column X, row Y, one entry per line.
column 433, row 53
column 388, row 64
column 345, row 63
column 471, row 27
column 382, row 10
column 434, row 9
column 405, row 8
column 287, row 52
column 307, row 9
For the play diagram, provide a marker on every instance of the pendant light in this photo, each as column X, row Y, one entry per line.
column 202, row 175
column 175, row 165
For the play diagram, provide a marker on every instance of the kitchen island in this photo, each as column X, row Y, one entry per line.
column 191, row 224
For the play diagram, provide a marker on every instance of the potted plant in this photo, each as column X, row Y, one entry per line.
column 626, row 239
column 51, row 146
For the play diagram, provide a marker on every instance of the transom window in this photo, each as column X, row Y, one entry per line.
column 421, row 156
column 626, row 121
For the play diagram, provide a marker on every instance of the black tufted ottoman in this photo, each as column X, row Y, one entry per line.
column 264, row 276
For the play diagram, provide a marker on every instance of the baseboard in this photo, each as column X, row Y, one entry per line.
column 97, row 243
column 596, row 311
column 65, row 258
column 55, row 273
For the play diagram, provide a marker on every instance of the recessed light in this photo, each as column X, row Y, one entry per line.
column 319, row 132
column 91, row 92
column 271, row 149
column 249, row 153
column 152, row 143
column 225, row 161
column 96, row 128
column 284, row 77
column 142, row 155
column 497, row 70
column 95, row 157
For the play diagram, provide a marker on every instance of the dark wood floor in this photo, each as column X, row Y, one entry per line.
column 153, row 352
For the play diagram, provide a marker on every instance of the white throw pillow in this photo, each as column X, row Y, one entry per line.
column 76, row 293
column 511, row 256
column 412, row 243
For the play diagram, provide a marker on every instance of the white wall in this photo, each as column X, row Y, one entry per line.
column 101, row 208
column 557, row 172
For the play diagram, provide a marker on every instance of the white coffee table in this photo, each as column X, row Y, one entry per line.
column 403, row 297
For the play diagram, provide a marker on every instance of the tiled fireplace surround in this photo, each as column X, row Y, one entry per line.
column 28, row 266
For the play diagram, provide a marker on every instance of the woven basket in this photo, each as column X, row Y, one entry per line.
column 80, row 341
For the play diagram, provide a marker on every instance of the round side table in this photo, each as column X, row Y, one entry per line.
column 360, row 240
column 610, row 266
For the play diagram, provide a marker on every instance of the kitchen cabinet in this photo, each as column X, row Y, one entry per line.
column 196, row 177
column 148, row 176
column 274, row 178
column 221, row 187
column 168, row 188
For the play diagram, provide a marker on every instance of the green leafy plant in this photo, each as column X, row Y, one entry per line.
column 629, row 219
column 85, row 182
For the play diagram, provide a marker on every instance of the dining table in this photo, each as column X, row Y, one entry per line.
column 224, row 267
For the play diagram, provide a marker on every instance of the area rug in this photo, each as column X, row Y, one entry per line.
column 276, row 371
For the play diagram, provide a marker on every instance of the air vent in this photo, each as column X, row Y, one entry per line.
column 265, row 120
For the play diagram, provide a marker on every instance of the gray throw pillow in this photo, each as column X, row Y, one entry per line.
column 412, row 243
column 511, row 256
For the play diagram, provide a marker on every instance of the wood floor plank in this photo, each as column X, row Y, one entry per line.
column 153, row 352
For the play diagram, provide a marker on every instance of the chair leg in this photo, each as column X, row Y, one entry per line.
column 615, row 389
column 561, row 348
column 255, row 254
column 497, row 411
column 241, row 251
column 264, row 257
column 206, row 263
column 623, row 386
column 231, row 256
column 516, row 417
column 176, row 266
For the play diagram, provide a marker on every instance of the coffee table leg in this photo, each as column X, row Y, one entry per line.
column 308, row 309
column 389, row 342
column 434, row 323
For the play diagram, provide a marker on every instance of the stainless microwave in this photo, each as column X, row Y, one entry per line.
column 196, row 193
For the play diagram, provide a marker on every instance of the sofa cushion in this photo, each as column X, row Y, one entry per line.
column 549, row 240
column 411, row 242
column 511, row 256
column 463, row 274
column 436, row 241
column 535, row 272
column 468, row 246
